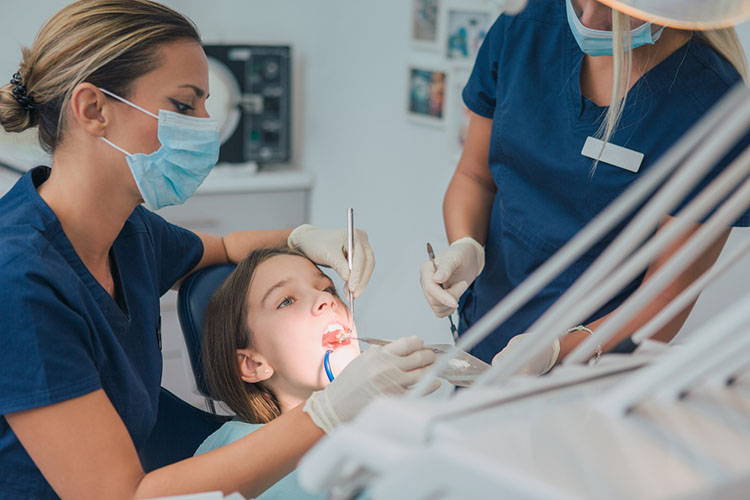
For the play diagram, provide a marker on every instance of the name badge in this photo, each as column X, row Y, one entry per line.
column 613, row 154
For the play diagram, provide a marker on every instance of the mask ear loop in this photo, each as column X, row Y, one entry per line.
column 128, row 102
column 118, row 148
column 115, row 96
column 327, row 365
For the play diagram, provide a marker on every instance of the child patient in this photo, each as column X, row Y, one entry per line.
column 265, row 337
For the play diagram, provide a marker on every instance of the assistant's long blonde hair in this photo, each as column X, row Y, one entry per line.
column 109, row 43
column 724, row 41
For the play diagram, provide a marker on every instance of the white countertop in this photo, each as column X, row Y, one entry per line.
column 227, row 179
column 235, row 179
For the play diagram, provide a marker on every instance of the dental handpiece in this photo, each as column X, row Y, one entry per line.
column 350, row 253
column 431, row 255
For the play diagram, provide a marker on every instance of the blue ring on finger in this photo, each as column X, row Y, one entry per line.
column 327, row 365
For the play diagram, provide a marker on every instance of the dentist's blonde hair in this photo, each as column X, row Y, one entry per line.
column 109, row 43
column 724, row 41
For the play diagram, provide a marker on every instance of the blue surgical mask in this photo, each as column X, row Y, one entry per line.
column 189, row 150
column 599, row 43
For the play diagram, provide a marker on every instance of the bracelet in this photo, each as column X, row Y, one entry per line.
column 582, row 328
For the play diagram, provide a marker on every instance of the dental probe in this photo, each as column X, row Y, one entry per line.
column 431, row 255
column 350, row 254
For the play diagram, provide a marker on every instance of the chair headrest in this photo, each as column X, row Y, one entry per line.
column 192, row 301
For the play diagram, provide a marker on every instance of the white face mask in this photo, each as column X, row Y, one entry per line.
column 598, row 42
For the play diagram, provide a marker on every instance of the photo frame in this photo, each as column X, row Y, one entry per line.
column 425, row 100
column 425, row 24
column 465, row 27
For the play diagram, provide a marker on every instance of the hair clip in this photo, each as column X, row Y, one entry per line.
column 19, row 92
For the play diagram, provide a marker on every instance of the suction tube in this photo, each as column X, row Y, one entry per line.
column 327, row 365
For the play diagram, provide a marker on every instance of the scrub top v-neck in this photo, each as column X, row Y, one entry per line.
column 527, row 80
column 62, row 335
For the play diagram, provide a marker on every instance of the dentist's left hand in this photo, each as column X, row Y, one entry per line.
column 327, row 247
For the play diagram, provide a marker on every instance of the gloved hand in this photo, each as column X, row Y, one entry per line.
column 538, row 365
column 327, row 246
column 390, row 369
column 457, row 268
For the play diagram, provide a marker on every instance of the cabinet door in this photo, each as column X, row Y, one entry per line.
column 224, row 213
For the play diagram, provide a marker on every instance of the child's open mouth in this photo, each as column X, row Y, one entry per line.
column 336, row 336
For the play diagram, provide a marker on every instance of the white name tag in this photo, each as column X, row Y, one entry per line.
column 614, row 155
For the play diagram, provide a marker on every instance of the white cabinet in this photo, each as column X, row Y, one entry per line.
column 229, row 200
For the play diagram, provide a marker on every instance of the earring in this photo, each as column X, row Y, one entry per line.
column 266, row 370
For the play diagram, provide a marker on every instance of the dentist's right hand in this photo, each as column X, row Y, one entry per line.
column 387, row 370
column 457, row 268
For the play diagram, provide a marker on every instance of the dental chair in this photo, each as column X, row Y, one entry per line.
column 180, row 427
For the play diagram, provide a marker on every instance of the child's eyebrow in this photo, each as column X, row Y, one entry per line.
column 270, row 290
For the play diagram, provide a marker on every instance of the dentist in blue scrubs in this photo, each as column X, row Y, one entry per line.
column 544, row 83
column 117, row 90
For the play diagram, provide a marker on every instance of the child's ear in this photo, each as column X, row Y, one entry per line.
column 253, row 366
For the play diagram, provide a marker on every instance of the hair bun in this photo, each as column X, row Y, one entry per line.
column 18, row 110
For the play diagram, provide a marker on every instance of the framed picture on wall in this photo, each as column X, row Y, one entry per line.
column 426, row 95
column 425, row 26
column 457, row 114
column 465, row 25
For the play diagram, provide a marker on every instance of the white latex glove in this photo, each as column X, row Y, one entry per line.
column 539, row 365
column 327, row 247
column 390, row 369
column 457, row 268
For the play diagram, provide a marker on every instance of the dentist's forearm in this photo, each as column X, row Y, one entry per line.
column 238, row 245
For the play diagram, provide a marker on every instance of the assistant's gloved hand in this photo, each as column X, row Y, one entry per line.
column 390, row 369
column 327, row 247
column 457, row 268
column 539, row 365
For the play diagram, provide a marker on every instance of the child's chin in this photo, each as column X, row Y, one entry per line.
column 342, row 359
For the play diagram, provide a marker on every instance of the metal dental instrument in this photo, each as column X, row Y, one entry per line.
column 462, row 371
column 383, row 342
column 436, row 348
column 431, row 254
column 350, row 254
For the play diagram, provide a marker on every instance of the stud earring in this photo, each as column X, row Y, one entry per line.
column 266, row 370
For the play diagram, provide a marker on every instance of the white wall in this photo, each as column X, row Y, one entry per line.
column 351, row 131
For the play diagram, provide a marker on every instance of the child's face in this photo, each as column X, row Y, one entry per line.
column 292, row 306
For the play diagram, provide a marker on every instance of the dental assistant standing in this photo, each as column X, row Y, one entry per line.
column 545, row 82
column 117, row 89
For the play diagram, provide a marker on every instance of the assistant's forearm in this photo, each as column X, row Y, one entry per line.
column 250, row 465
column 701, row 265
column 569, row 342
column 467, row 207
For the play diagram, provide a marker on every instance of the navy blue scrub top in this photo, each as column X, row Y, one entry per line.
column 62, row 335
column 527, row 80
